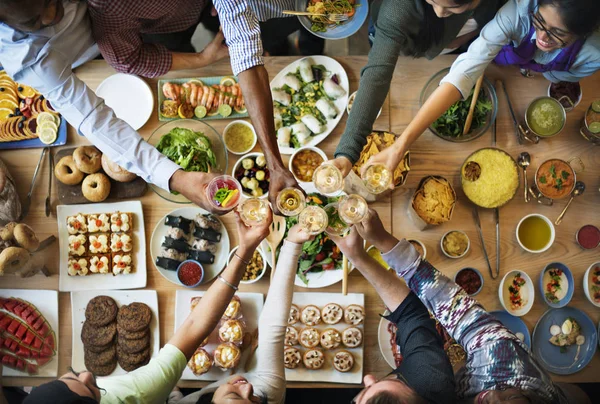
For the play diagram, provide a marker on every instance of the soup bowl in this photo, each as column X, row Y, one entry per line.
column 548, row 183
column 552, row 234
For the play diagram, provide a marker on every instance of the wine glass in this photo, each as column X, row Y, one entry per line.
column 223, row 192
column 313, row 220
column 328, row 179
column 353, row 208
column 377, row 178
column 290, row 201
column 253, row 211
column 336, row 226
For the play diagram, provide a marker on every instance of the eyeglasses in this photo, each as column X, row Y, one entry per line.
column 392, row 376
column 539, row 25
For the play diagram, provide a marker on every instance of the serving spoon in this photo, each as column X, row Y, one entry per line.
column 578, row 190
column 524, row 161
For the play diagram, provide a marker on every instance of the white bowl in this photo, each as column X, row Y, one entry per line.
column 586, row 283
column 552, row 234
column 422, row 246
column 528, row 286
column 315, row 149
column 248, row 124
column 238, row 163
column 451, row 256
column 351, row 101
column 262, row 254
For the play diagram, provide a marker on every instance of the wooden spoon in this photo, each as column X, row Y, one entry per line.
column 345, row 276
column 274, row 239
column 469, row 120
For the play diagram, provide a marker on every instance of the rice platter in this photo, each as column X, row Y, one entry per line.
column 490, row 178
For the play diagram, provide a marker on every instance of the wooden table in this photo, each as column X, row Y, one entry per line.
column 401, row 105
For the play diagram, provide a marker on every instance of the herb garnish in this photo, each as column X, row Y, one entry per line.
column 543, row 179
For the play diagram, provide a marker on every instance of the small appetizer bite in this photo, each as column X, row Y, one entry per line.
column 314, row 359
column 556, row 284
column 291, row 357
column 120, row 243
column 121, row 222
column 354, row 314
column 122, row 263
column 200, row 362
column 232, row 331
column 567, row 334
column 77, row 266
column 194, row 302
column 234, row 309
column 98, row 223
column 343, row 361
column 309, row 337
column 311, row 315
column 331, row 338
column 76, row 224
column 99, row 264
column 291, row 336
column 77, row 245
column 98, row 244
column 332, row 313
column 352, row 337
column 227, row 356
column 294, row 316
column 517, row 300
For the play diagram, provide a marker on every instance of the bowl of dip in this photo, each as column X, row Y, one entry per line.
column 535, row 233
column 305, row 161
column 588, row 237
column 420, row 247
column 239, row 137
column 516, row 293
column 545, row 117
column 555, row 178
column 455, row 244
column 376, row 255
column 568, row 93
column 556, row 285
column 190, row 273
column 470, row 280
column 591, row 284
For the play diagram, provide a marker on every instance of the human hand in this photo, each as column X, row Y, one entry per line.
column 390, row 158
column 372, row 229
column 193, row 185
column 298, row 235
column 343, row 164
column 251, row 236
column 351, row 245
column 216, row 49
column 280, row 179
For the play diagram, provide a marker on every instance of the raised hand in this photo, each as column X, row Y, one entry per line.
column 193, row 185
column 373, row 230
column 298, row 235
column 252, row 236
column 343, row 164
column 280, row 179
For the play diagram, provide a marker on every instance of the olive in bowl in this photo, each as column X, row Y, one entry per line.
column 252, row 173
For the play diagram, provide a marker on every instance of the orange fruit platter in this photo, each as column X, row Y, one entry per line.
column 26, row 118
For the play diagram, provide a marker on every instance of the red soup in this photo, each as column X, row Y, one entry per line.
column 588, row 237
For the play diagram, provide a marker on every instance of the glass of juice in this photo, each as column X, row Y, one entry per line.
column 313, row 220
column 377, row 178
column 223, row 192
column 253, row 211
column 353, row 208
column 535, row 233
column 328, row 179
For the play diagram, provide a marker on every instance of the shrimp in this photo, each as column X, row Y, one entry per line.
column 199, row 96
column 234, row 96
column 240, row 100
column 205, row 96
column 225, row 91
column 172, row 91
column 211, row 98
column 193, row 95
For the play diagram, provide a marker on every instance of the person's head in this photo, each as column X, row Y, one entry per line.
column 71, row 388
column 559, row 23
column 390, row 390
column 31, row 15
column 236, row 390
column 446, row 8
column 508, row 396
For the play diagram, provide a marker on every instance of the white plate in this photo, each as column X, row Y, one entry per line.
column 327, row 373
column 332, row 66
column 79, row 301
column 210, row 270
column 129, row 96
column 252, row 305
column 46, row 301
column 136, row 279
column 383, row 337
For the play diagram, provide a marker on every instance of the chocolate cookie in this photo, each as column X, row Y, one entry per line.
column 98, row 336
column 134, row 317
column 132, row 346
column 130, row 335
column 103, row 358
column 99, row 348
column 101, row 370
column 101, row 311
column 131, row 362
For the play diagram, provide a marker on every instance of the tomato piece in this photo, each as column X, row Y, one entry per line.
column 329, row 267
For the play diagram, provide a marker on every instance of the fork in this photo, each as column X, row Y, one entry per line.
column 330, row 17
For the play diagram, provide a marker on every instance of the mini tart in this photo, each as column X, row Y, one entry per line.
column 343, row 361
column 314, row 359
column 311, row 315
column 122, row 263
column 234, row 309
column 200, row 362
column 120, row 242
column 121, row 222
column 354, row 314
column 232, row 331
column 352, row 337
column 77, row 245
column 331, row 338
column 309, row 337
column 98, row 223
column 294, row 316
column 100, row 264
column 76, row 224
column 98, row 244
column 227, row 356
column 291, row 336
column 291, row 357
column 332, row 313
column 77, row 266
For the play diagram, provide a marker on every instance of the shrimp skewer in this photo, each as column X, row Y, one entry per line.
column 205, row 95
column 211, row 98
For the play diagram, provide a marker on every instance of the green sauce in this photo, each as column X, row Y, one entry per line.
column 545, row 117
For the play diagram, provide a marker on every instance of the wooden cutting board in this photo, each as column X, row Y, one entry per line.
column 71, row 194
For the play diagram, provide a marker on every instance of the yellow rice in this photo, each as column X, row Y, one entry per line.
column 498, row 181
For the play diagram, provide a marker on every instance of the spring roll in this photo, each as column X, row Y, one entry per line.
column 277, row 117
column 281, row 97
column 283, row 136
column 327, row 108
column 313, row 124
column 292, row 81
column 306, row 70
column 299, row 129
column 332, row 89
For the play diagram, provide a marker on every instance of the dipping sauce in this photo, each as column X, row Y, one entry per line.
column 469, row 280
column 588, row 237
column 376, row 255
column 569, row 90
column 190, row 273
column 455, row 244
column 418, row 246
column 555, row 179
column 545, row 116
column 239, row 138
column 534, row 233
column 305, row 163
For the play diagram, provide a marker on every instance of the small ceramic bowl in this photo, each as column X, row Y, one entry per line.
column 351, row 102
column 422, row 246
column 570, row 286
column 316, row 150
column 248, row 124
column 264, row 268
column 503, row 292
column 552, row 234
column 589, row 228
column 478, row 274
column 587, row 284
column 201, row 271
column 452, row 256
column 238, row 163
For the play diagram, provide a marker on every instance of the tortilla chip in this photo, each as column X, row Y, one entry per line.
column 434, row 200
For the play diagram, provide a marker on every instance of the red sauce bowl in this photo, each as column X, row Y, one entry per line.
column 588, row 237
column 190, row 273
column 470, row 280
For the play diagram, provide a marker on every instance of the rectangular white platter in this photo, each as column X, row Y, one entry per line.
column 327, row 373
column 79, row 301
column 252, row 305
column 136, row 279
column 46, row 301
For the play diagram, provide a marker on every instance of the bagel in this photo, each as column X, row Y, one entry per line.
column 26, row 238
column 13, row 259
column 66, row 171
column 6, row 233
column 96, row 187
column 115, row 171
column 88, row 159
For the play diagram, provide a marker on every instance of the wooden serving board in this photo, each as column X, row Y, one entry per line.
column 71, row 194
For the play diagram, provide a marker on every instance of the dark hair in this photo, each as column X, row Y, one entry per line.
column 385, row 397
column 208, row 399
column 582, row 17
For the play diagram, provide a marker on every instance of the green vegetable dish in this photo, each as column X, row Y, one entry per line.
column 452, row 122
column 191, row 150
column 320, row 254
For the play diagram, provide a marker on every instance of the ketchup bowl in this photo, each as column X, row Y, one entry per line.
column 190, row 273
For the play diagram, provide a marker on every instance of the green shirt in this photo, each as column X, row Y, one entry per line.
column 396, row 29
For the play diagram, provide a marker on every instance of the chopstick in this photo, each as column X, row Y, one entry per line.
column 469, row 120
column 345, row 276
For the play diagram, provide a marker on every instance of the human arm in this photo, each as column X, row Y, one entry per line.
column 214, row 51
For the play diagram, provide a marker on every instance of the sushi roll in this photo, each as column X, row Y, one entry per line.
column 208, row 234
column 179, row 222
column 332, row 89
column 204, row 245
column 203, row 257
column 283, row 136
column 306, row 70
column 167, row 263
column 326, row 108
column 208, row 222
column 292, row 81
column 281, row 97
column 176, row 233
column 313, row 124
column 277, row 118
column 177, row 244
column 173, row 254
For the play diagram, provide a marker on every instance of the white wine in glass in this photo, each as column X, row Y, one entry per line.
column 290, row 201
column 328, row 179
column 336, row 225
column 253, row 211
column 377, row 178
column 353, row 208
column 313, row 220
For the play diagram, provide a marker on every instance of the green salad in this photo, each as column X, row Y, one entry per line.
column 190, row 150
column 452, row 122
